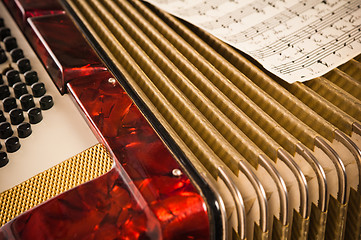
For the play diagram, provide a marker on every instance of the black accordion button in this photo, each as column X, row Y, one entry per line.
column 46, row 102
column 38, row 89
column 24, row 130
column 35, row 115
column 13, row 77
column 16, row 116
column 16, row 54
column 27, row 102
column 3, row 159
column 31, row 77
column 12, row 144
column 5, row 130
column 9, row 103
column 23, row 65
column 20, row 89
column 4, row 91
column 3, row 57
column 2, row 118
column 10, row 43
column 4, row 32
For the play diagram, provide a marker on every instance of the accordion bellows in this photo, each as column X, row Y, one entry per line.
column 284, row 157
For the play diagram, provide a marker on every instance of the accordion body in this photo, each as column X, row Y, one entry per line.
column 198, row 140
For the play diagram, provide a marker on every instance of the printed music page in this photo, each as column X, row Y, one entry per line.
column 295, row 40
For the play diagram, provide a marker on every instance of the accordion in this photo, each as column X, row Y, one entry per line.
column 198, row 140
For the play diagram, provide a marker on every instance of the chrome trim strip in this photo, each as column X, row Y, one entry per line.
column 301, row 179
column 261, row 194
column 281, row 186
column 356, row 152
column 320, row 174
column 356, row 127
column 340, row 167
column 238, row 200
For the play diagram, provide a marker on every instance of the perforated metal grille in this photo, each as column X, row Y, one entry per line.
column 79, row 169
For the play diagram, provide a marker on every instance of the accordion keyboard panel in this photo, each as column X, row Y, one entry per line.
column 51, row 131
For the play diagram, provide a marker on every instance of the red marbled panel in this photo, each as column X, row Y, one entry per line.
column 174, row 200
column 23, row 9
column 62, row 49
column 105, row 208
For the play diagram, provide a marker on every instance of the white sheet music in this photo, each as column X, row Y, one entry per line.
column 296, row 40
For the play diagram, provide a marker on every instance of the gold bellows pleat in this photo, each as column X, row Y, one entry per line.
column 229, row 116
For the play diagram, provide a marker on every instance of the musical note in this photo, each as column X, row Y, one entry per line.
column 290, row 38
